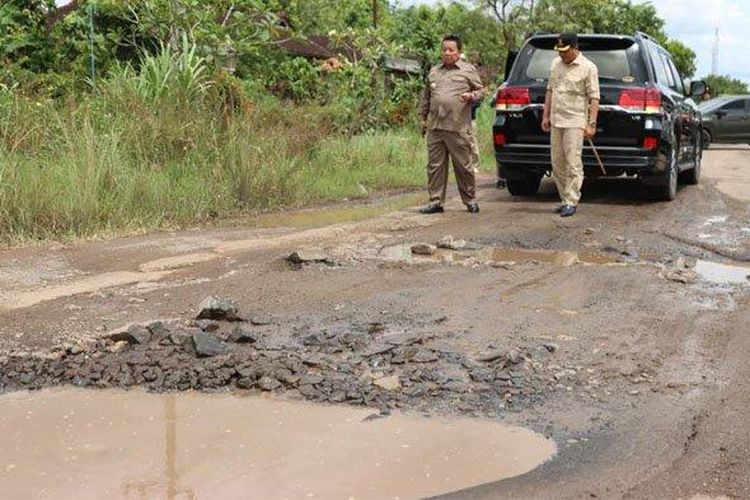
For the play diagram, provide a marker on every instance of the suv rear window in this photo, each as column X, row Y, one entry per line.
column 622, row 65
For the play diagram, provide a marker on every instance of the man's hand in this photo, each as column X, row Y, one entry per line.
column 467, row 97
column 546, row 126
column 589, row 132
column 423, row 127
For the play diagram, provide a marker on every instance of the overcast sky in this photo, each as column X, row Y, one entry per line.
column 693, row 23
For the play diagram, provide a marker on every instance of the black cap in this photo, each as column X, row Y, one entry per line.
column 565, row 41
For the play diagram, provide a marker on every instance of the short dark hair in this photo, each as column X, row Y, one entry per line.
column 453, row 38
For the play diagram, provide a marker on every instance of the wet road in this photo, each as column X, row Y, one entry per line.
column 646, row 388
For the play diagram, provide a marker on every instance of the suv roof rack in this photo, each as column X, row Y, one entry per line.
column 645, row 35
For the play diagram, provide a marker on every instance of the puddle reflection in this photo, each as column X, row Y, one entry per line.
column 110, row 444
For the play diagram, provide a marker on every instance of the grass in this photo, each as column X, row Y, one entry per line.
column 99, row 167
column 127, row 158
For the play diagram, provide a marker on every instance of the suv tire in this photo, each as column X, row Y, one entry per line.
column 527, row 185
column 666, row 190
column 693, row 175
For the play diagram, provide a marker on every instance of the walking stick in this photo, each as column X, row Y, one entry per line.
column 599, row 160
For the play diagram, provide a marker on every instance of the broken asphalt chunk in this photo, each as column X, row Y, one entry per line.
column 423, row 249
column 308, row 256
column 206, row 345
column 133, row 334
column 218, row 308
column 242, row 336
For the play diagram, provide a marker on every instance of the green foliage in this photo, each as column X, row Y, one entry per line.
column 682, row 55
column 311, row 17
column 419, row 29
column 723, row 84
column 22, row 34
column 196, row 113
column 120, row 160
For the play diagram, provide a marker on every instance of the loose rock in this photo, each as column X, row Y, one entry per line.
column 449, row 243
column 133, row 334
column 423, row 249
column 206, row 345
column 390, row 383
column 242, row 336
column 218, row 308
column 308, row 256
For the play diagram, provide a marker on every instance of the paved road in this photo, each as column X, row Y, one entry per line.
column 647, row 389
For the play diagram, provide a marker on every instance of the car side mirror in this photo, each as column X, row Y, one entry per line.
column 697, row 88
column 721, row 114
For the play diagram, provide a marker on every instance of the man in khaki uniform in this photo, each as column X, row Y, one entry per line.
column 571, row 106
column 445, row 111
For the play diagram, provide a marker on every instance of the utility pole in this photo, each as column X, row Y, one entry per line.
column 715, row 55
column 375, row 13
column 92, row 35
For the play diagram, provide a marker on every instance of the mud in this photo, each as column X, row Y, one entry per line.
column 111, row 444
column 610, row 332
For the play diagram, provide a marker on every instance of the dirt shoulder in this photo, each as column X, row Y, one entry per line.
column 606, row 331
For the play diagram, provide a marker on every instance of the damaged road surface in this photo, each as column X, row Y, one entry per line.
column 367, row 351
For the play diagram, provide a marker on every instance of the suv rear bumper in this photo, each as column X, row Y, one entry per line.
column 518, row 160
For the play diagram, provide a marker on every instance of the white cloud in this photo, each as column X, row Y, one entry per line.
column 693, row 22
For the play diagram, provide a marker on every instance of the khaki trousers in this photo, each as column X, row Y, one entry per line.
column 474, row 147
column 567, row 165
column 443, row 145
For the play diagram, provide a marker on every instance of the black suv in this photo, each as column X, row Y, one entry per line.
column 726, row 119
column 648, row 125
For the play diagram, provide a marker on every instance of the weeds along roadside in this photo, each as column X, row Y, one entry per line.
column 169, row 146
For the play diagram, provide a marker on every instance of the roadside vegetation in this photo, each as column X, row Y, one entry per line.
column 120, row 116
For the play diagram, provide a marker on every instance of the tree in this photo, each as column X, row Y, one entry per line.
column 419, row 30
column 23, row 37
column 682, row 55
column 724, row 84
column 597, row 16
column 515, row 17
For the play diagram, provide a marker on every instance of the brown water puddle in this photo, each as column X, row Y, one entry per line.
column 321, row 217
column 723, row 274
column 498, row 255
column 109, row 444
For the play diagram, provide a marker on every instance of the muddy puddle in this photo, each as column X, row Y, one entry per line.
column 493, row 255
column 722, row 274
column 112, row 444
column 336, row 215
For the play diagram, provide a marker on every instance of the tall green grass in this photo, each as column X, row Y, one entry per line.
column 166, row 146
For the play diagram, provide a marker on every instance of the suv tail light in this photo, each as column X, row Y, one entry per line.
column 641, row 99
column 510, row 98
column 650, row 142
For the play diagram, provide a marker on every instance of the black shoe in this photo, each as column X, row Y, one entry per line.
column 501, row 184
column 473, row 207
column 567, row 210
column 559, row 209
column 432, row 208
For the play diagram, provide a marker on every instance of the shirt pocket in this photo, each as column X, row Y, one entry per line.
column 458, row 82
column 575, row 84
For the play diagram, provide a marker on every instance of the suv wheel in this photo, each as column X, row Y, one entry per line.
column 524, row 186
column 667, row 189
column 693, row 175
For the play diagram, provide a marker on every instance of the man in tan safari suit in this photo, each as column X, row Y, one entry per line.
column 571, row 106
column 445, row 111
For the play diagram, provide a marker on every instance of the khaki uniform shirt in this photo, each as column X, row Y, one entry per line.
column 573, row 86
column 441, row 104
